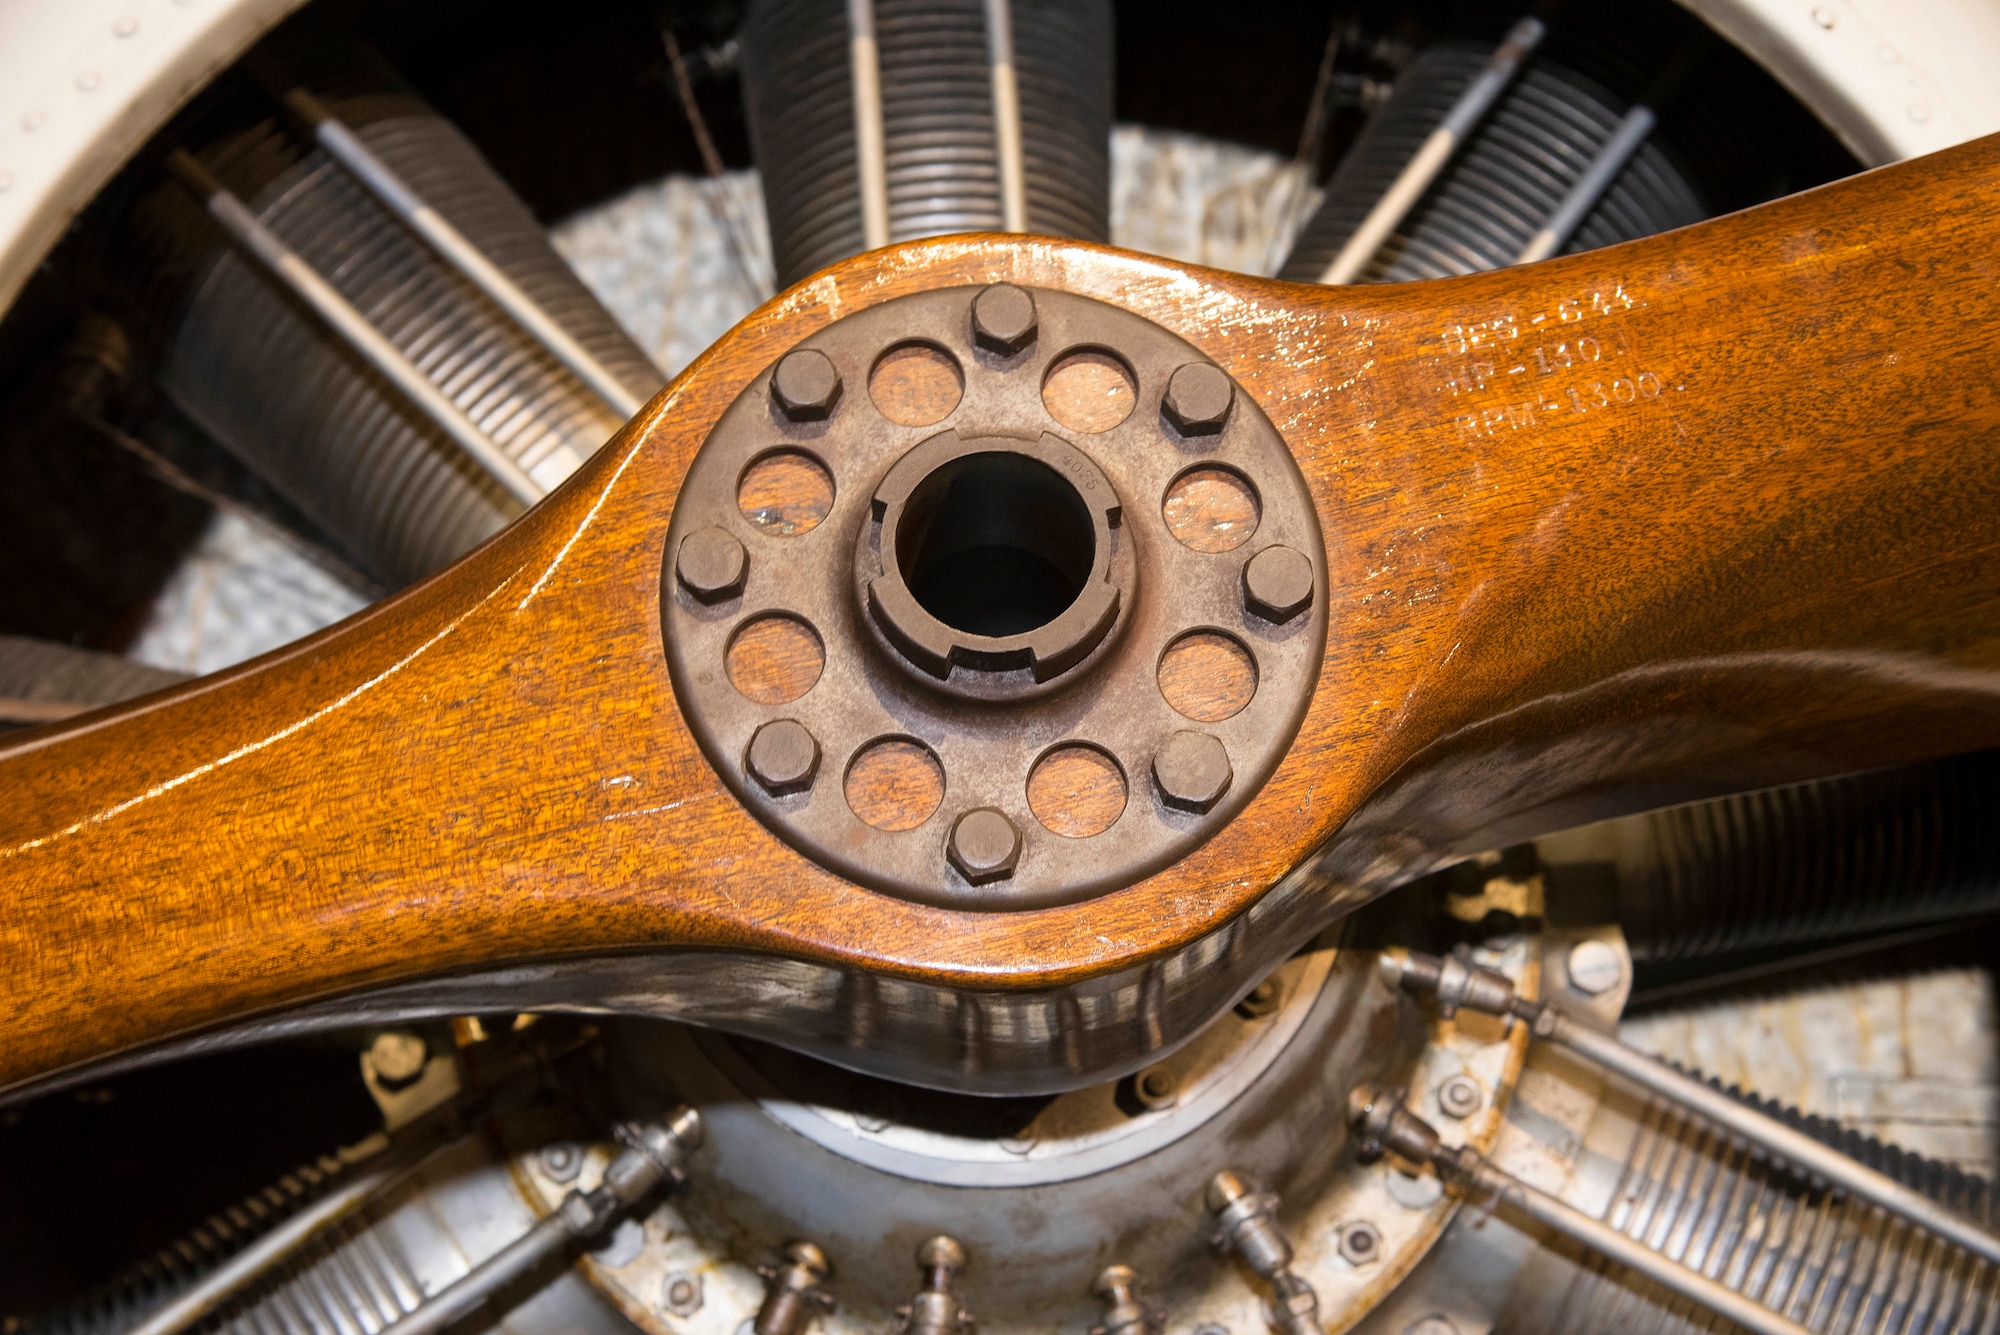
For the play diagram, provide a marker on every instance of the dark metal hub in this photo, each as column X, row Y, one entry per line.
column 991, row 565
column 994, row 597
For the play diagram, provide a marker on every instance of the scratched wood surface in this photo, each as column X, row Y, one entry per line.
column 1712, row 509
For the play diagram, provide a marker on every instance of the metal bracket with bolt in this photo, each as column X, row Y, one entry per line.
column 1246, row 1222
column 937, row 1309
column 1386, row 1126
column 655, row 1155
column 794, row 1292
column 1454, row 981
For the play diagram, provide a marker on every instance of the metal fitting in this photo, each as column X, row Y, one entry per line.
column 805, row 385
column 681, row 1294
column 1359, row 1242
column 783, row 757
column 1385, row 1125
column 1263, row 999
column 1594, row 968
column 1003, row 319
column 1198, row 399
column 1453, row 980
column 1278, row 584
column 937, row 1309
column 1246, row 1223
column 1156, row 1087
column 794, row 1292
column 562, row 1161
column 1192, row 770
column 1460, row 1096
column 397, row 1057
column 712, row 565
column 1125, row 1313
column 984, row 846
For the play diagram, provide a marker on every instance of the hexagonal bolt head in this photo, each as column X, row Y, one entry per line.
column 784, row 757
column 984, row 846
column 1198, row 398
column 1360, row 1242
column 805, row 386
column 712, row 565
column 1594, row 967
column 1003, row 319
column 1278, row 584
column 1460, row 1096
column 1192, row 771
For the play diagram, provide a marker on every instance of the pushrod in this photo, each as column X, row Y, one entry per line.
column 1006, row 115
column 451, row 245
column 1436, row 153
column 284, row 264
column 871, row 167
column 1625, row 140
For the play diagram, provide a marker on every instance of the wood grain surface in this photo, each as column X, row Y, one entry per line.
column 1714, row 509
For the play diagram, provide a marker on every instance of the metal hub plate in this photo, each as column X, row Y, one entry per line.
column 990, row 720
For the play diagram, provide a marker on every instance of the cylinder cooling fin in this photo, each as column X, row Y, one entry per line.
column 1505, row 182
column 265, row 378
column 941, row 142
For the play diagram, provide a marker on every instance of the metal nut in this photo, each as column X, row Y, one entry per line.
column 1278, row 584
column 712, row 565
column 805, row 385
column 1156, row 1087
column 1594, row 968
column 784, row 757
column 1262, row 1000
column 562, row 1161
column 1460, row 1096
column 984, row 846
column 681, row 1294
column 397, row 1057
column 1192, row 771
column 1360, row 1242
column 1198, row 399
column 1003, row 319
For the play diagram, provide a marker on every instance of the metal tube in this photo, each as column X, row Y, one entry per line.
column 262, row 244
column 1590, row 187
column 1633, row 1254
column 464, row 1296
column 1795, row 1148
column 451, row 245
column 244, row 1268
column 1437, row 151
column 870, row 163
column 1006, row 115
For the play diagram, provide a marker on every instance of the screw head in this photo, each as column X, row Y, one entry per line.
column 1277, row 584
column 807, row 1256
column 562, row 1161
column 805, row 385
column 1225, row 1189
column 681, row 1294
column 784, row 757
column 984, row 846
column 1594, row 968
column 1192, row 771
column 397, row 1057
column 712, row 565
column 1157, row 1087
column 1360, row 1242
column 1003, row 319
column 1198, row 399
column 1460, row 1096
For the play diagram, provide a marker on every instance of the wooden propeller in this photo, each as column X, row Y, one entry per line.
column 1711, row 510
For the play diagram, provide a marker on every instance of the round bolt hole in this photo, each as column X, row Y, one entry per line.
column 995, row 544
column 1460, row 1096
column 785, row 493
column 1207, row 676
column 894, row 784
column 1360, row 1242
column 916, row 384
column 1089, row 391
column 1211, row 509
column 1076, row 791
column 775, row 659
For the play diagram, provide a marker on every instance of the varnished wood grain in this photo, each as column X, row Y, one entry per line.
column 1077, row 791
column 1088, row 391
column 1712, row 509
column 915, row 384
column 1208, row 677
